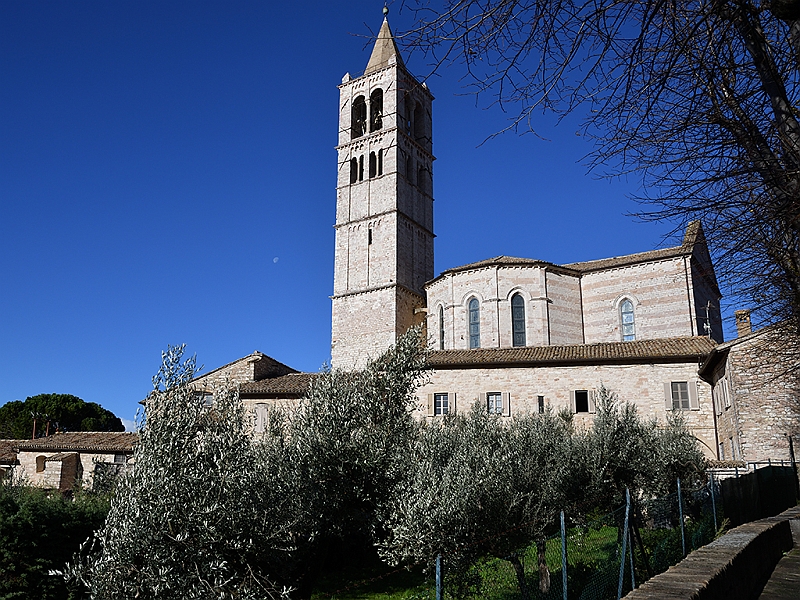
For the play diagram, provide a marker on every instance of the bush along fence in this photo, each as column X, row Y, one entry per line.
column 597, row 559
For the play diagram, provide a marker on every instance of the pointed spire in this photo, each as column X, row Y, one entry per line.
column 385, row 51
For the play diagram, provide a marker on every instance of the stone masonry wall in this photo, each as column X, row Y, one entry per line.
column 641, row 384
column 766, row 400
column 659, row 294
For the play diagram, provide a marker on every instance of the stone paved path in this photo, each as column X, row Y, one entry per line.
column 784, row 583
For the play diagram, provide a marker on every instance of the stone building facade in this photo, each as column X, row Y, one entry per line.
column 64, row 460
column 515, row 335
column 756, row 395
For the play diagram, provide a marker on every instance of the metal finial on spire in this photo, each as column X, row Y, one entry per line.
column 385, row 10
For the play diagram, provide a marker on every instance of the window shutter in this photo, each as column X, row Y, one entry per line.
column 506, row 404
column 715, row 400
column 451, row 400
column 592, row 408
column 694, row 401
column 430, row 405
column 572, row 401
column 668, row 396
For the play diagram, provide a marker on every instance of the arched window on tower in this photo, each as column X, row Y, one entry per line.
column 419, row 123
column 441, row 328
column 358, row 118
column 361, row 168
column 353, row 170
column 518, row 319
column 373, row 165
column 376, row 110
column 410, row 169
column 421, row 183
column 628, row 320
column 474, row 323
column 380, row 162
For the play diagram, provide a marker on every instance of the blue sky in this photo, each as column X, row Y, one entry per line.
column 167, row 176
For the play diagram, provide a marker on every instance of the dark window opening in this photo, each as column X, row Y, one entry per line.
column 421, row 179
column 361, row 168
column 359, row 118
column 369, row 236
column 541, row 403
column 353, row 170
column 380, row 162
column 376, row 110
column 419, row 123
column 474, row 324
column 518, row 320
column 581, row 401
column 410, row 169
column 441, row 328
column 373, row 165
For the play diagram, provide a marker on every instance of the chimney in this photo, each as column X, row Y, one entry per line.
column 743, row 326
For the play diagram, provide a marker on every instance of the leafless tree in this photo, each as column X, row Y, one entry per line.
column 699, row 98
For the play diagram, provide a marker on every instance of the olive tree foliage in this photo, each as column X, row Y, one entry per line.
column 193, row 519
column 338, row 457
column 699, row 98
column 478, row 487
column 625, row 450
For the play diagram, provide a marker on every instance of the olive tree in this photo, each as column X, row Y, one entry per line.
column 193, row 519
column 476, row 487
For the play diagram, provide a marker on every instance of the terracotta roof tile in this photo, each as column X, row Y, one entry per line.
column 7, row 453
column 690, row 348
column 293, row 384
column 82, row 441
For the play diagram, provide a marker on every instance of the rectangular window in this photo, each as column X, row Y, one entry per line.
column 120, row 459
column 441, row 405
column 261, row 418
column 581, row 401
column 722, row 450
column 494, row 402
column 541, row 404
column 680, row 395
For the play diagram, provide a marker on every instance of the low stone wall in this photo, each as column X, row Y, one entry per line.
column 734, row 567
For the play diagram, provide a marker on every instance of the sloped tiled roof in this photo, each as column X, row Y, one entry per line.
column 293, row 384
column 665, row 349
column 82, row 441
column 7, row 453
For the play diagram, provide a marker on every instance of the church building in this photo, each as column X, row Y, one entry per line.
column 515, row 335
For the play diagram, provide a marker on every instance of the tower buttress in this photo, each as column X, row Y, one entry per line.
column 384, row 206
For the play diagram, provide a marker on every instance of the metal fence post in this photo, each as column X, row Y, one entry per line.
column 714, row 502
column 624, row 544
column 563, row 555
column 630, row 547
column 439, row 588
column 680, row 513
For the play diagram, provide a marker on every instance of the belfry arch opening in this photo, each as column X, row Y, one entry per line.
column 358, row 125
column 419, row 123
column 376, row 110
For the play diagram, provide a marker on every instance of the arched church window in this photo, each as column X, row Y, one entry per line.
column 361, row 168
column 421, row 179
column 474, row 323
column 628, row 321
column 376, row 110
column 410, row 169
column 518, row 320
column 441, row 328
column 373, row 165
column 358, row 118
column 353, row 170
column 419, row 123
column 380, row 162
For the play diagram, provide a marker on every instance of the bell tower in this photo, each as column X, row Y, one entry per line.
column 384, row 206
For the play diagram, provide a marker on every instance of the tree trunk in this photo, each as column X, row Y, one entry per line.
column 520, row 571
column 544, row 572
